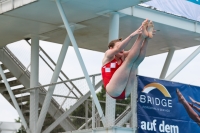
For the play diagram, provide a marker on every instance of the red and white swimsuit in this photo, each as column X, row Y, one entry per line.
column 107, row 71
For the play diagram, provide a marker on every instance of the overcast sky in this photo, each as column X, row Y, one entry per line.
column 151, row 67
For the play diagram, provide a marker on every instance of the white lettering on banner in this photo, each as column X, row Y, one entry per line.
column 149, row 126
column 156, row 101
column 163, row 128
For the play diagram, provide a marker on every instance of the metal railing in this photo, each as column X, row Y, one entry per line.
column 48, row 57
column 16, row 60
column 25, row 71
column 7, row 5
column 42, row 87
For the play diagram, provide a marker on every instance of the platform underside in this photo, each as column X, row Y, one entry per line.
column 91, row 18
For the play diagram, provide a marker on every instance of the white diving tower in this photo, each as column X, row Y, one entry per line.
column 88, row 24
column 9, row 127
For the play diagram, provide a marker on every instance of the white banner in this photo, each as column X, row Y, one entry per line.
column 189, row 9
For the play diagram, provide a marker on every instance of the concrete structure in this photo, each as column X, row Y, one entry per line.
column 9, row 127
column 94, row 24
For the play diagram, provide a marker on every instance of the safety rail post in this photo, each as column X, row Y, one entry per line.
column 93, row 105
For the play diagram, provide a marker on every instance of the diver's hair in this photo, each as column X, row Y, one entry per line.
column 112, row 43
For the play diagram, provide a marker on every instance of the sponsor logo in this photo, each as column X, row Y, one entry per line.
column 160, row 103
column 158, row 86
column 157, row 101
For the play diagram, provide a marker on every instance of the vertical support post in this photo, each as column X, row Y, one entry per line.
column 73, row 41
column 54, row 78
column 34, row 78
column 86, row 114
column 183, row 64
column 110, row 102
column 96, row 118
column 98, row 121
column 167, row 63
column 114, row 26
column 93, row 106
column 12, row 96
column 134, row 96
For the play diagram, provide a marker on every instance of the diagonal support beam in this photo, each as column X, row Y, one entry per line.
column 124, row 117
column 73, row 41
column 68, row 112
column 167, row 63
column 183, row 64
column 55, row 76
column 14, row 100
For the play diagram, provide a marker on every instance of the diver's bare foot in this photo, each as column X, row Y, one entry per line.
column 150, row 29
column 144, row 28
column 180, row 96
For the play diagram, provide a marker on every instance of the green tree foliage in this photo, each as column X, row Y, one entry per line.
column 22, row 129
column 80, row 111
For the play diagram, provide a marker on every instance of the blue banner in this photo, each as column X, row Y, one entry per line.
column 195, row 1
column 167, row 107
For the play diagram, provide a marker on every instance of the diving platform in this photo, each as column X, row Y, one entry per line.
column 91, row 21
column 88, row 24
column 113, row 129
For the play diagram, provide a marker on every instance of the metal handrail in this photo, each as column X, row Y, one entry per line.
column 16, row 60
column 122, row 115
column 53, row 70
column 51, row 84
column 23, row 68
